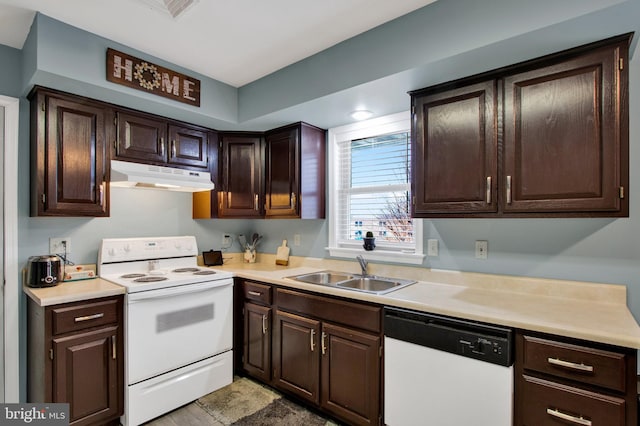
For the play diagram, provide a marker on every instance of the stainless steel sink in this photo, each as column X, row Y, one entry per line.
column 323, row 277
column 357, row 282
column 376, row 285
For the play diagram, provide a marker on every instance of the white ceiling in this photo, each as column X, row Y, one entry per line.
column 232, row 41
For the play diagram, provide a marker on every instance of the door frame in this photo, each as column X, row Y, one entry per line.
column 11, row 270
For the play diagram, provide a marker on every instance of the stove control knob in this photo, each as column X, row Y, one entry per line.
column 111, row 252
column 127, row 248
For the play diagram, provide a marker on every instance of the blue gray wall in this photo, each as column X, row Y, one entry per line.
column 445, row 40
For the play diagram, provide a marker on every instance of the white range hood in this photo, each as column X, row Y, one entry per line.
column 136, row 175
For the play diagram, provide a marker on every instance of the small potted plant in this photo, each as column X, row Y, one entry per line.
column 369, row 241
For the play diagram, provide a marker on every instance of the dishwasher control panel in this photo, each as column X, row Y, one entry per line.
column 487, row 348
column 485, row 342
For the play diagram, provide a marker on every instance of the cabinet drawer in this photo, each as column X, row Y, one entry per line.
column 257, row 292
column 352, row 314
column 78, row 317
column 549, row 403
column 581, row 363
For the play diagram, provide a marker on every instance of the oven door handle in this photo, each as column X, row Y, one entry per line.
column 177, row 290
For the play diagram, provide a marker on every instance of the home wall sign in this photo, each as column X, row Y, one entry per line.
column 142, row 75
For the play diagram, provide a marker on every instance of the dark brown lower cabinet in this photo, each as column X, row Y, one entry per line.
column 350, row 374
column 257, row 341
column 330, row 365
column 297, row 356
column 76, row 356
column 561, row 381
column 86, row 369
column 323, row 351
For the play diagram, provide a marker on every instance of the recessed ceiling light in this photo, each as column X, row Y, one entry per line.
column 361, row 114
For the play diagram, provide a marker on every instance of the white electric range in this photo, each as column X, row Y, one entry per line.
column 178, row 323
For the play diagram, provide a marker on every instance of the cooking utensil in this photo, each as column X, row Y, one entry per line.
column 243, row 241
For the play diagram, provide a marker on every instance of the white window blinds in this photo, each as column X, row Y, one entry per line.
column 374, row 191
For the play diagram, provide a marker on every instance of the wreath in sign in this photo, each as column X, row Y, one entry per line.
column 152, row 71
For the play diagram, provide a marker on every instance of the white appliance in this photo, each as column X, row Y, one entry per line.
column 134, row 175
column 446, row 372
column 178, row 323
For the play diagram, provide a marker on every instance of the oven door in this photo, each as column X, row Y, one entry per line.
column 172, row 327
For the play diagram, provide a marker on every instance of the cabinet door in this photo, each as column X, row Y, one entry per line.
column 69, row 155
column 188, row 146
column 282, row 171
column 241, row 177
column 141, row 138
column 350, row 374
column 86, row 374
column 296, row 356
column 455, row 151
column 563, row 135
column 257, row 341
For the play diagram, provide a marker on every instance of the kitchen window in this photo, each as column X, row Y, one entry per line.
column 370, row 190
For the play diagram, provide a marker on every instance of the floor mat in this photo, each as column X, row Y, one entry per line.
column 248, row 403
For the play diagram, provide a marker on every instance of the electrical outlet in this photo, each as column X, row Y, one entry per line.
column 226, row 241
column 432, row 247
column 482, row 249
column 296, row 239
column 57, row 245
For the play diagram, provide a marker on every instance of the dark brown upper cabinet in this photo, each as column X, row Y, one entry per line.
column 277, row 174
column 140, row 137
column 544, row 138
column 154, row 140
column 295, row 172
column 188, row 146
column 455, row 154
column 240, row 194
column 69, row 170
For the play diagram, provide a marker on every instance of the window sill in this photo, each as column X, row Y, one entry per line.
column 378, row 255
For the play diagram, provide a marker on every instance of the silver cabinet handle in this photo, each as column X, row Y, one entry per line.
column 488, row 189
column 113, row 347
column 255, row 202
column 173, row 149
column 102, row 194
column 313, row 333
column 293, row 201
column 162, row 147
column 88, row 317
column 254, row 293
column 508, row 189
column 324, row 346
column 571, row 365
column 568, row 417
column 264, row 324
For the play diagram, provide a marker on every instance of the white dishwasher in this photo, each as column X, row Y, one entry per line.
column 441, row 371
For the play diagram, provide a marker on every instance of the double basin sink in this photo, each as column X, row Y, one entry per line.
column 358, row 282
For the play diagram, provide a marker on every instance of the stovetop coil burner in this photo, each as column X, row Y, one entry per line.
column 204, row 272
column 132, row 276
column 150, row 279
column 186, row 270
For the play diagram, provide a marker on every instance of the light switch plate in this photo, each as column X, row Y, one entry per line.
column 432, row 247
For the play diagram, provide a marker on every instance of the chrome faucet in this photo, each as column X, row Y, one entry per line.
column 363, row 264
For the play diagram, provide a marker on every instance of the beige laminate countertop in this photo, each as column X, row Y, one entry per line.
column 590, row 311
column 73, row 291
